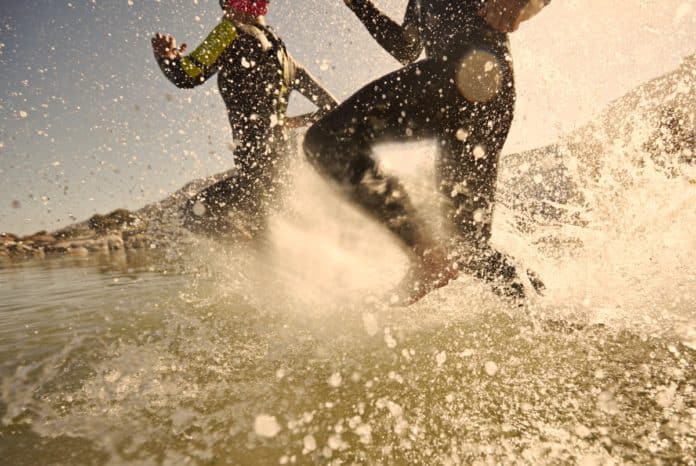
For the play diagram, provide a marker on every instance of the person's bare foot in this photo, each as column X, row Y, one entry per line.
column 429, row 271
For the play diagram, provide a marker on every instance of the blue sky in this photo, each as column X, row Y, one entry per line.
column 88, row 124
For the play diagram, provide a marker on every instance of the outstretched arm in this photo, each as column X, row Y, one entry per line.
column 196, row 68
column 308, row 86
column 403, row 41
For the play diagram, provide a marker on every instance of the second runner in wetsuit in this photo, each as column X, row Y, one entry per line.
column 255, row 76
column 462, row 95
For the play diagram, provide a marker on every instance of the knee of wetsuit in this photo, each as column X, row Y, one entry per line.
column 479, row 75
column 315, row 144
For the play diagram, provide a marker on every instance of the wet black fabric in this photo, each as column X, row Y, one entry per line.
column 254, row 81
column 255, row 78
column 424, row 100
column 440, row 27
column 236, row 208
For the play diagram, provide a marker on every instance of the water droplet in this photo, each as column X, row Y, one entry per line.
column 198, row 209
column 491, row 368
column 479, row 152
column 479, row 77
column 266, row 426
column 310, row 443
column 335, row 380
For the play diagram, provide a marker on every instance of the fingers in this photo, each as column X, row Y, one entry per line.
column 296, row 122
column 178, row 52
column 170, row 41
column 164, row 46
column 291, row 123
column 164, row 38
column 159, row 45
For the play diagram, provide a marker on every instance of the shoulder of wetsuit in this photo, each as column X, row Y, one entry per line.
column 532, row 8
column 274, row 35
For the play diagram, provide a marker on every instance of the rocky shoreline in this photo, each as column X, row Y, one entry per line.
column 81, row 240
column 154, row 227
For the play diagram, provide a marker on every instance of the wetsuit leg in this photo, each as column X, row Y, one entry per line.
column 401, row 105
column 424, row 100
column 237, row 207
column 470, row 144
column 467, row 174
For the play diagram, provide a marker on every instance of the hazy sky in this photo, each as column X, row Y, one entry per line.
column 88, row 124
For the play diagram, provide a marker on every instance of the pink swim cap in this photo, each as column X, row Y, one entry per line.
column 251, row 7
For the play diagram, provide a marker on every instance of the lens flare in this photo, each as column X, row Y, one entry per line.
column 478, row 76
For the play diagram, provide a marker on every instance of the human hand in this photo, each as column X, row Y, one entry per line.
column 504, row 15
column 164, row 46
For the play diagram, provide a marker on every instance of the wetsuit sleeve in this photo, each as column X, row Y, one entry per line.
column 308, row 86
column 404, row 41
column 197, row 67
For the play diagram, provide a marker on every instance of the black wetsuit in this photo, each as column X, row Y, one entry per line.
column 462, row 95
column 255, row 77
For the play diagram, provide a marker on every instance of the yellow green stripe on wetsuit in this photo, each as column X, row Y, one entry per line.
column 210, row 50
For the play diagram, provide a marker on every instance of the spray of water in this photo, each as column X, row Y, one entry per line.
column 281, row 354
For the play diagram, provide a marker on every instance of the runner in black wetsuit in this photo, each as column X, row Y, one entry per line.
column 462, row 95
column 255, row 76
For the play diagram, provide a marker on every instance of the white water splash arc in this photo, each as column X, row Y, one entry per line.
column 622, row 191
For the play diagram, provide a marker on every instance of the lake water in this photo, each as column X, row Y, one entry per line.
column 281, row 356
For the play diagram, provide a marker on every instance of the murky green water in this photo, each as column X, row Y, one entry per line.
column 114, row 363
column 280, row 356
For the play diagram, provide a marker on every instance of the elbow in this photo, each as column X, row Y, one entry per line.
column 183, row 81
column 408, row 55
column 412, row 47
column 406, row 59
column 185, row 84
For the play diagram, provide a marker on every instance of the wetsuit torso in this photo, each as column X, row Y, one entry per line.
column 255, row 77
column 254, row 80
column 255, row 74
column 462, row 95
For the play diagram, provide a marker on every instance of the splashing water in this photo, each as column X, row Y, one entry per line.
column 280, row 355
